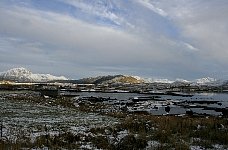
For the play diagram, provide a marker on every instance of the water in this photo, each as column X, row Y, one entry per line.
column 118, row 96
column 165, row 100
column 221, row 97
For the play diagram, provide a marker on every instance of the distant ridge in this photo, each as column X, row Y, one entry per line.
column 24, row 75
column 111, row 79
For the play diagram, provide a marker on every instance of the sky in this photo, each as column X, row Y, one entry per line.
column 149, row 38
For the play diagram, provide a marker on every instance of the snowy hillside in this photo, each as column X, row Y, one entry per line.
column 24, row 75
column 201, row 81
column 157, row 80
column 205, row 80
column 126, row 79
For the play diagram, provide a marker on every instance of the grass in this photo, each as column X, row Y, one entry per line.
column 174, row 132
column 170, row 132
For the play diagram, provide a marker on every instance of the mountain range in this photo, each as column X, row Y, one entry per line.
column 24, row 75
column 115, row 79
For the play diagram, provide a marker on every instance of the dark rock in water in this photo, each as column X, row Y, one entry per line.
column 179, row 94
column 189, row 112
column 167, row 109
column 225, row 112
column 155, row 107
column 220, row 104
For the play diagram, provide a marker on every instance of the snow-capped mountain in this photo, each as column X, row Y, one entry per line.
column 25, row 75
column 182, row 80
column 205, row 80
column 157, row 80
column 201, row 81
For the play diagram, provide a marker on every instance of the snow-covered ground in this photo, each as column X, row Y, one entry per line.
column 34, row 119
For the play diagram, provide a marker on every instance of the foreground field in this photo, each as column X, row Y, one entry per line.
column 33, row 122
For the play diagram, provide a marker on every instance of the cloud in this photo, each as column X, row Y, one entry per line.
column 203, row 23
column 78, row 37
column 180, row 39
column 190, row 47
column 64, row 38
column 150, row 6
column 102, row 10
